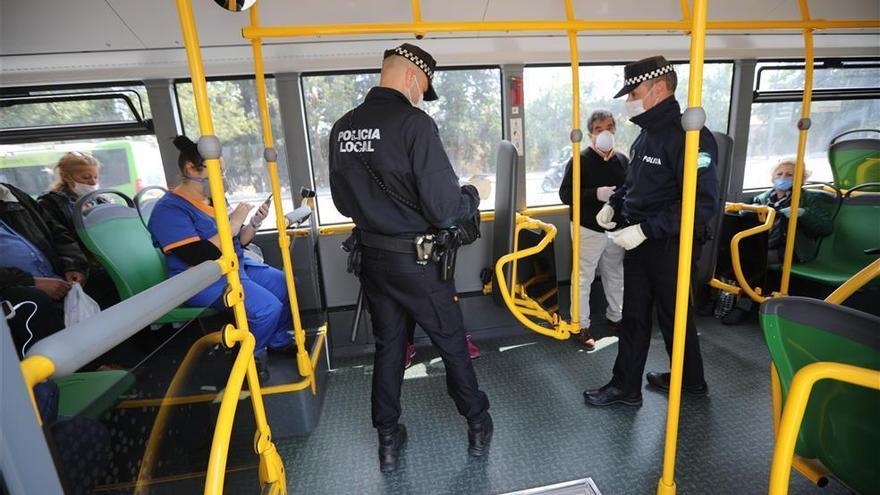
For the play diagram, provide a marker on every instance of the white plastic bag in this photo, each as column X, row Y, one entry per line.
column 78, row 306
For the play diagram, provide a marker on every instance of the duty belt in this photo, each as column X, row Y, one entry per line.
column 421, row 245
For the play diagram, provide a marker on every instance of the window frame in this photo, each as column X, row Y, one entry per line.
column 323, row 73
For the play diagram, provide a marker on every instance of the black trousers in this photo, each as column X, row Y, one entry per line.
column 650, row 272
column 48, row 318
column 401, row 293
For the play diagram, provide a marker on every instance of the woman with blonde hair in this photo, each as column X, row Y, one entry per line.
column 78, row 175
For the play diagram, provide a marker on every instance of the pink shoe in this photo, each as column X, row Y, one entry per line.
column 410, row 354
column 473, row 350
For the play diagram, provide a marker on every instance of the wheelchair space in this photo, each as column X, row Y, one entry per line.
column 544, row 434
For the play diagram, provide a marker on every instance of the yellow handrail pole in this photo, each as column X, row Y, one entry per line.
column 685, row 11
column 576, row 25
column 271, row 156
column 666, row 484
column 803, row 126
column 36, row 369
column 157, row 432
column 855, row 283
column 417, row 18
column 796, row 405
column 770, row 215
column 576, row 135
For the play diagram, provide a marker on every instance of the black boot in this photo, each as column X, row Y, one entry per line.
column 390, row 444
column 479, row 436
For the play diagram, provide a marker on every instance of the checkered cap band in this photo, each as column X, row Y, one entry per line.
column 648, row 76
column 412, row 57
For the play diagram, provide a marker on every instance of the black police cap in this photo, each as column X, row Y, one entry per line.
column 423, row 61
column 643, row 70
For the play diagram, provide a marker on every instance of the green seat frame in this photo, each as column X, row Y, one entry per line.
column 840, row 427
column 115, row 234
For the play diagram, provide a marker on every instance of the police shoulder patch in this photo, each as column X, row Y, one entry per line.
column 703, row 160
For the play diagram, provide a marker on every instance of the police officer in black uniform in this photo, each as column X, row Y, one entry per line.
column 390, row 174
column 646, row 213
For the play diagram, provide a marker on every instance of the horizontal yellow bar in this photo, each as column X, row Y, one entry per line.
column 575, row 25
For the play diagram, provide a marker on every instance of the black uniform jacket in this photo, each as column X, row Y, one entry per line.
column 30, row 221
column 651, row 194
column 595, row 173
column 402, row 145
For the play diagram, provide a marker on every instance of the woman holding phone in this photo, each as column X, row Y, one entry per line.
column 183, row 226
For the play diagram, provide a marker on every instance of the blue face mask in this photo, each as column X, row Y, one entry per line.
column 782, row 184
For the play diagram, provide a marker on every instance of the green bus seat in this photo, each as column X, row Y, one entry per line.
column 855, row 161
column 115, row 234
column 840, row 427
column 842, row 254
column 91, row 394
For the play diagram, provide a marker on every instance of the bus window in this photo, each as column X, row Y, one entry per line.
column 127, row 164
column 547, row 92
column 237, row 123
column 772, row 127
column 468, row 115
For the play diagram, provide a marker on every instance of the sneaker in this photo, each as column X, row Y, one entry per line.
column 473, row 350
column 586, row 339
column 410, row 354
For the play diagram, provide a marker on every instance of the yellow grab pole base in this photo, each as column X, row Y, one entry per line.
column 664, row 489
column 272, row 477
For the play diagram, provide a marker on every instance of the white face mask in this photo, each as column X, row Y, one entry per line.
column 634, row 108
column 414, row 100
column 605, row 141
column 82, row 189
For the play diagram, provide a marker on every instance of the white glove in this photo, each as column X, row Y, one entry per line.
column 628, row 238
column 605, row 217
column 604, row 193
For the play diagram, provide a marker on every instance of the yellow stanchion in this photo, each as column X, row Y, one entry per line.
column 576, row 136
column 796, row 406
column 234, row 296
column 803, row 127
column 302, row 356
column 666, row 485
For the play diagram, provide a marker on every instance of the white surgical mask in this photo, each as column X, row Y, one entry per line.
column 605, row 141
column 417, row 99
column 634, row 108
column 82, row 189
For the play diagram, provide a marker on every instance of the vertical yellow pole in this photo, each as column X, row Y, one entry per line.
column 576, row 136
column 803, row 127
column 417, row 17
column 666, row 485
column 234, row 296
column 302, row 357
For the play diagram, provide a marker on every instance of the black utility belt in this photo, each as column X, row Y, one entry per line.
column 421, row 245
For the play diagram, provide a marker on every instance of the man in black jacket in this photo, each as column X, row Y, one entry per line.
column 602, row 171
column 40, row 262
column 390, row 174
column 646, row 213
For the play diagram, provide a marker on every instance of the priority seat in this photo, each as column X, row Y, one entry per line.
column 840, row 427
column 115, row 234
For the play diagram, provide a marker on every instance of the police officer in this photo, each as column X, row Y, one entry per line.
column 645, row 214
column 390, row 174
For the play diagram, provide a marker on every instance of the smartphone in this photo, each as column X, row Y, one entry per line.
column 267, row 202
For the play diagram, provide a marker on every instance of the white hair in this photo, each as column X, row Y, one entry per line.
column 789, row 161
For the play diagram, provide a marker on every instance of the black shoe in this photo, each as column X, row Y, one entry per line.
column 736, row 316
column 289, row 348
column 610, row 394
column 661, row 382
column 262, row 370
column 479, row 436
column 614, row 327
column 390, row 445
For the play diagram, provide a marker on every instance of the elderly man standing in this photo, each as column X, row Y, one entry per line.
column 646, row 216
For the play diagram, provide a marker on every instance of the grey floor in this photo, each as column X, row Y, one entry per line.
column 544, row 433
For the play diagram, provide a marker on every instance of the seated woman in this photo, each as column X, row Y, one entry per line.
column 183, row 226
column 77, row 176
column 813, row 223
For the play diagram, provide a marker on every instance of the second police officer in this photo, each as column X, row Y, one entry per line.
column 390, row 174
column 646, row 213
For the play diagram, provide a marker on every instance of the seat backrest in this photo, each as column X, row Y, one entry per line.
column 145, row 200
column 857, row 228
column 855, row 161
column 115, row 234
column 708, row 254
column 509, row 198
column 840, row 426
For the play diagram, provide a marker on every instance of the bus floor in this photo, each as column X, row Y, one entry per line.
column 544, row 434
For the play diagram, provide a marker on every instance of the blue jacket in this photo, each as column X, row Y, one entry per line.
column 651, row 193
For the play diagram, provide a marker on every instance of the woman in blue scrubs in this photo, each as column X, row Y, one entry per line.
column 183, row 226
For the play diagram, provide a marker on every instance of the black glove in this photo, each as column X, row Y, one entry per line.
column 468, row 229
column 471, row 190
